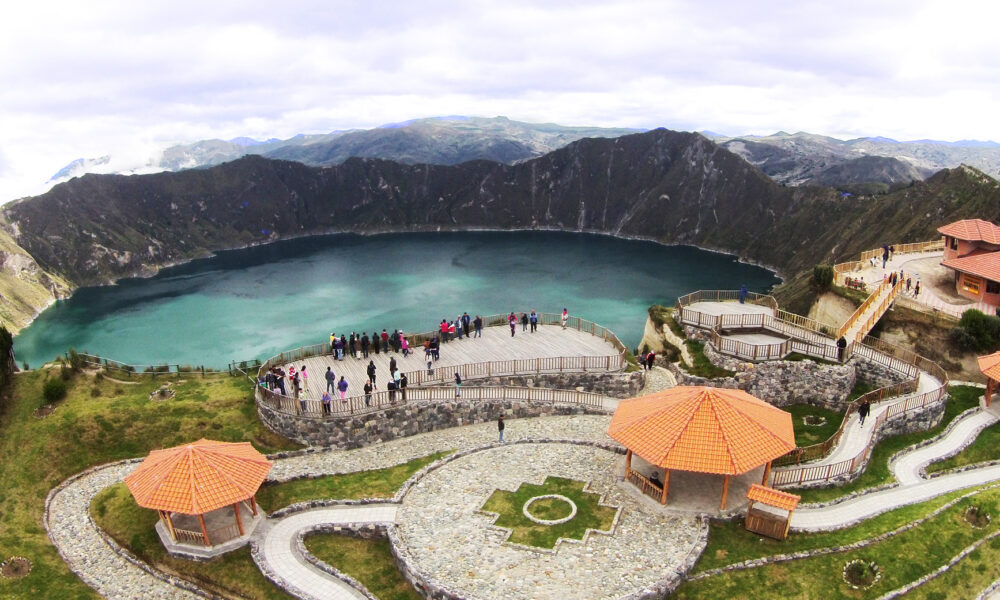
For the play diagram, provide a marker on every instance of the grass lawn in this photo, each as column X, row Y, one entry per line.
column 986, row 447
column 902, row 558
column 368, row 561
column 380, row 483
column 877, row 472
column 860, row 389
column 798, row 357
column 807, row 435
column 703, row 367
column 99, row 421
column 509, row 504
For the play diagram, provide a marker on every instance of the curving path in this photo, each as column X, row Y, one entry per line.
column 278, row 551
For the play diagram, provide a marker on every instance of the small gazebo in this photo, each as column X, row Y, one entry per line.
column 990, row 367
column 202, row 491
column 701, row 429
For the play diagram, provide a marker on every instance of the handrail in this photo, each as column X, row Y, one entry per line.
column 910, row 248
column 357, row 405
column 487, row 369
column 645, row 486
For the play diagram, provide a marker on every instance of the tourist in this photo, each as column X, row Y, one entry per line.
column 841, row 346
column 305, row 379
column 458, row 385
column 436, row 347
column 350, row 343
column 885, row 255
column 478, row 324
column 534, row 321
column 391, row 387
column 654, row 478
column 743, row 294
column 392, row 365
column 458, row 327
column 292, row 377
column 650, row 360
column 339, row 346
column 397, row 377
column 371, row 373
column 909, row 284
column 269, row 379
column 333, row 342
column 342, row 386
column 385, row 342
column 326, row 403
column 892, row 251
column 466, row 321
column 403, row 382
column 524, row 322
column 279, row 380
column 642, row 360
column 342, row 346
column 364, row 345
column 512, row 321
column 356, row 347
column 443, row 328
column 916, row 289
column 565, row 318
column 368, row 393
column 500, row 427
column 405, row 345
column 376, row 344
column 863, row 411
column 451, row 330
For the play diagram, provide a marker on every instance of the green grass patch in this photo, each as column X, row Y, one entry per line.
column 877, row 472
column 115, row 511
column 806, row 434
column 87, row 430
column 703, row 367
column 590, row 515
column 902, row 558
column 368, row 561
column 987, row 444
column 860, row 389
column 379, row 483
column 798, row 357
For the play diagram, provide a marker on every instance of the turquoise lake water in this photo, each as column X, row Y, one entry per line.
column 257, row 302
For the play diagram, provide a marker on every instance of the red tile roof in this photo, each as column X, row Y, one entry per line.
column 984, row 265
column 703, row 429
column 773, row 497
column 990, row 365
column 972, row 230
column 198, row 478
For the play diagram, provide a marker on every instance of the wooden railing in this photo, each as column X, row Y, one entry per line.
column 183, row 536
column 610, row 363
column 382, row 400
column 128, row 370
column 645, row 486
column 840, row 270
column 727, row 296
column 879, row 304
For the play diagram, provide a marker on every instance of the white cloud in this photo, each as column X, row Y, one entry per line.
column 89, row 79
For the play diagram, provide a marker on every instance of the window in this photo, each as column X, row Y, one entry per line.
column 954, row 243
column 992, row 287
column 971, row 284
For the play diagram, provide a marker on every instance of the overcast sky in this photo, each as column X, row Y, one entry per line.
column 85, row 79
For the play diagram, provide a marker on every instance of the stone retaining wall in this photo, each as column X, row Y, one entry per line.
column 406, row 420
column 613, row 385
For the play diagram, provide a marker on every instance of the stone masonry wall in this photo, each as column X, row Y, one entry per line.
column 614, row 385
column 405, row 420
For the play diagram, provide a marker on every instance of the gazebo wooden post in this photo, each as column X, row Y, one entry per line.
column 666, row 486
column 253, row 505
column 767, row 473
column 628, row 462
column 204, row 530
column 239, row 519
column 989, row 391
column 725, row 492
column 165, row 517
column 788, row 521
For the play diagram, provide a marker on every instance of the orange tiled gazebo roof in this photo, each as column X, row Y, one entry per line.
column 990, row 365
column 198, row 478
column 703, row 429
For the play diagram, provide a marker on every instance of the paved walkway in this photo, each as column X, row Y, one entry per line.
column 496, row 344
column 278, row 549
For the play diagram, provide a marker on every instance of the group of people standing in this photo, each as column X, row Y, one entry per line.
column 361, row 346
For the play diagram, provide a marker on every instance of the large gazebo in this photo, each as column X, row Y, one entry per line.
column 701, row 429
column 202, row 491
column 989, row 365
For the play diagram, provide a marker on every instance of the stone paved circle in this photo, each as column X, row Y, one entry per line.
column 442, row 533
column 534, row 519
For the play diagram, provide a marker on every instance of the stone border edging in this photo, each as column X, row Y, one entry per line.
column 896, row 593
column 933, row 440
column 779, row 558
column 922, row 470
column 534, row 519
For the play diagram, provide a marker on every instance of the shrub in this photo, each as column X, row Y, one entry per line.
column 95, row 392
column 54, row 389
column 65, row 372
column 75, row 360
column 976, row 331
column 822, row 277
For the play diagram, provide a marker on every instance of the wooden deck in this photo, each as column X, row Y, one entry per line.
column 496, row 344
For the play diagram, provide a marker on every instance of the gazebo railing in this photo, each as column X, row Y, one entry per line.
column 219, row 535
column 183, row 536
column 645, row 486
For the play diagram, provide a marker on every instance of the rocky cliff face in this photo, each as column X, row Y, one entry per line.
column 663, row 185
column 25, row 288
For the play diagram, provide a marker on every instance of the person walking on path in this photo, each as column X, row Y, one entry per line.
column 403, row 382
column 326, row 403
column 650, row 360
column 916, row 289
column 405, row 345
column 642, row 360
column 371, row 373
column 565, row 318
column 841, row 346
column 500, row 427
column 512, row 321
column 392, row 366
column 368, row 393
column 743, row 294
column 458, row 385
column 331, row 380
column 885, row 255
column 863, row 411
column 342, row 386
column 524, row 322
column 478, row 324
column 534, row 321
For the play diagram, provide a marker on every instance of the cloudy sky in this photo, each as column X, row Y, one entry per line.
column 85, row 79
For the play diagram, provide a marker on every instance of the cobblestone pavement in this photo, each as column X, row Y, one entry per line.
column 455, row 544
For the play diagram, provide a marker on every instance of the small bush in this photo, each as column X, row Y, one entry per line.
column 95, row 392
column 25, row 367
column 822, row 277
column 65, row 373
column 54, row 390
column 75, row 360
column 976, row 331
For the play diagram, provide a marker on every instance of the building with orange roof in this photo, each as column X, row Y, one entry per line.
column 972, row 251
column 700, row 429
column 203, row 493
column 989, row 365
